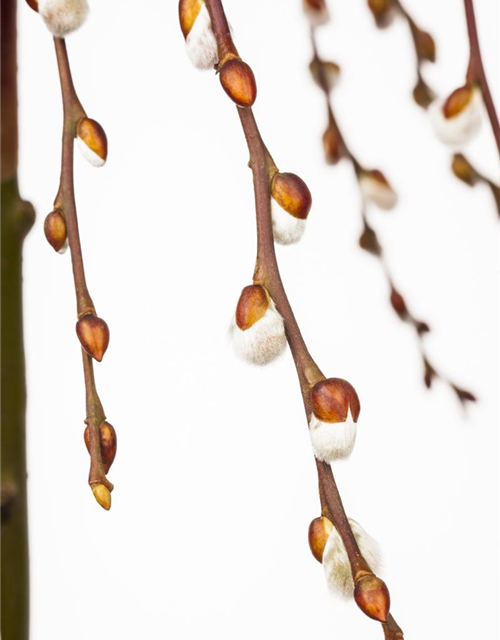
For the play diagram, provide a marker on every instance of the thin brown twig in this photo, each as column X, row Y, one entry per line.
column 65, row 202
column 267, row 273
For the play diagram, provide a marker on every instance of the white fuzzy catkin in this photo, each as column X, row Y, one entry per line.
column 377, row 192
column 458, row 129
column 62, row 17
column 264, row 341
column 201, row 45
column 287, row 229
column 88, row 154
column 332, row 440
column 336, row 563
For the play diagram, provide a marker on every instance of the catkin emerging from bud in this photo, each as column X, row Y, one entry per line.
column 332, row 426
column 325, row 73
column 294, row 199
column 107, row 443
column 93, row 334
column 458, row 118
column 62, row 17
column 336, row 565
column 55, row 231
column 376, row 188
column 316, row 11
column 383, row 12
column 196, row 26
column 92, row 141
column 257, row 329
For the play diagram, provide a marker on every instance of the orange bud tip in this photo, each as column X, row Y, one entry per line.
column 107, row 442
column 333, row 398
column 372, row 597
column 252, row 306
column 102, row 495
column 55, row 231
column 383, row 12
column 188, row 12
column 33, row 4
column 292, row 194
column 319, row 532
column 463, row 170
column 332, row 145
column 238, row 81
column 92, row 141
column 93, row 334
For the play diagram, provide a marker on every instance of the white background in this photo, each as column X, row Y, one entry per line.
column 215, row 480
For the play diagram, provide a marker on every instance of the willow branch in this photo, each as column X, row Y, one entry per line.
column 267, row 273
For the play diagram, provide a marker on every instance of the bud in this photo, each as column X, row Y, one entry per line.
column 92, row 141
column 238, row 82
column 463, row 169
column 93, row 334
column 107, row 442
column 316, row 11
column 201, row 45
column 294, row 199
column 325, row 74
column 425, row 45
column 369, row 241
column 62, row 17
column 463, row 395
column 458, row 118
column 336, row 564
column 332, row 425
column 332, row 145
column 102, row 495
column 423, row 94
column 429, row 373
column 55, row 231
column 421, row 327
column 376, row 188
column 383, row 12
column 319, row 531
column 257, row 329
column 372, row 597
column 33, row 4
column 398, row 304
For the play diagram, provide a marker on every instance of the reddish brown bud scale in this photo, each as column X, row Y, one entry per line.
column 238, row 81
column 315, row 5
column 382, row 11
column 378, row 176
column 319, row 532
column 463, row 170
column 94, row 136
column 107, row 441
column 369, row 241
column 398, row 304
column 33, row 4
column 372, row 597
column 55, row 230
column 333, row 398
column 252, row 305
column 425, row 45
column 422, row 94
column 188, row 12
column 93, row 334
column 457, row 101
column 292, row 194
column 332, row 145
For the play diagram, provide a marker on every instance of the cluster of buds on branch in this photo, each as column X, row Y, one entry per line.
column 264, row 321
column 62, row 17
column 375, row 189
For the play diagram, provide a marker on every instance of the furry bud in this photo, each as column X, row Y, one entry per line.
column 55, row 231
column 332, row 425
column 238, row 82
column 92, row 141
column 257, row 329
column 196, row 26
column 319, row 532
column 325, row 74
column 62, row 17
column 102, row 495
column 294, row 199
column 336, row 564
column 107, row 442
column 376, row 188
column 383, row 12
column 93, row 334
column 332, row 145
column 372, row 597
column 463, row 169
column 316, row 11
column 458, row 118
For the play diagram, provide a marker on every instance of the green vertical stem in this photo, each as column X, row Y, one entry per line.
column 16, row 220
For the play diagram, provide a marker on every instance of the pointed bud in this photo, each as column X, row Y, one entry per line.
column 316, row 11
column 92, row 141
column 372, row 597
column 423, row 94
column 332, row 145
column 319, row 532
column 463, row 169
column 196, row 26
column 238, row 82
column 294, row 199
column 33, row 4
column 332, row 425
column 421, row 327
column 102, row 495
column 398, row 304
column 325, row 74
column 55, row 231
column 257, row 330
column 336, row 563
column 376, row 188
column 107, row 441
column 458, row 118
column 463, row 395
column 429, row 373
column 93, row 334
column 425, row 45
column 369, row 241
column 62, row 17
column 383, row 12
